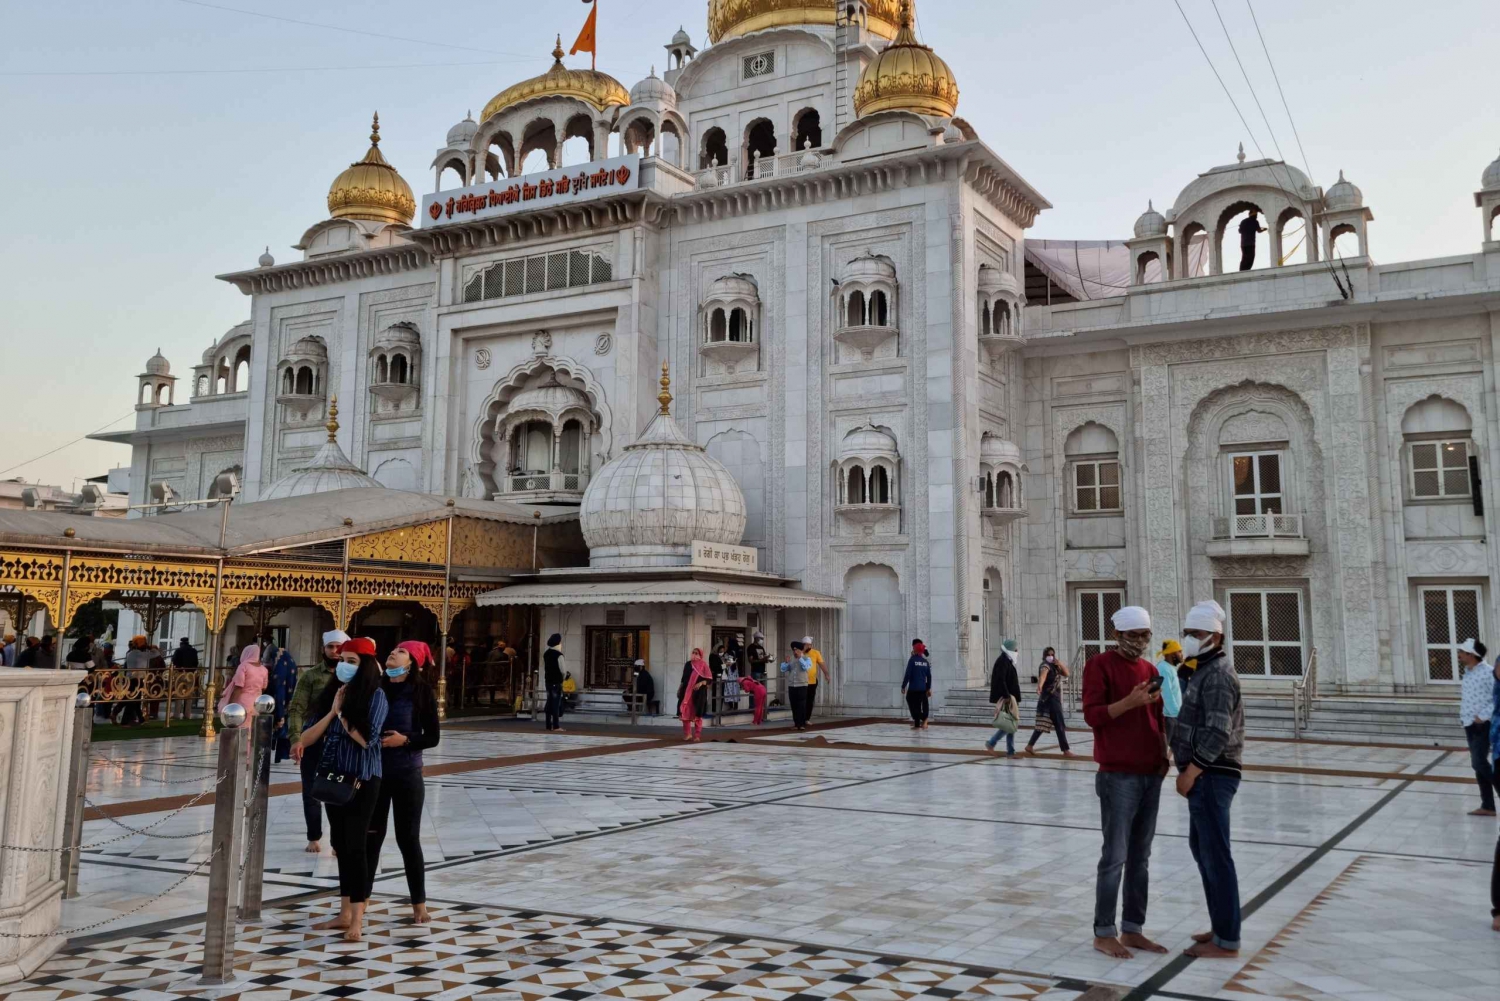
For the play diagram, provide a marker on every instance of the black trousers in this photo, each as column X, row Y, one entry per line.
column 1478, row 736
column 812, row 698
column 1495, row 884
column 797, row 696
column 403, row 791
column 554, row 707
column 1247, row 256
column 916, row 702
column 348, row 827
column 312, row 810
column 1052, row 709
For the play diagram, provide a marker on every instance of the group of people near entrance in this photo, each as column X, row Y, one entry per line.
column 357, row 731
column 1185, row 710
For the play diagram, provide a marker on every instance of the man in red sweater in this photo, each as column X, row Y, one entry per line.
column 1122, row 705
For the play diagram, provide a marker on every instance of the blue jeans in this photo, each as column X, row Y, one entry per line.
column 1208, row 837
column 1127, row 807
column 1010, row 741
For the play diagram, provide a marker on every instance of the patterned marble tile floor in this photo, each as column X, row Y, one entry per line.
column 1357, row 886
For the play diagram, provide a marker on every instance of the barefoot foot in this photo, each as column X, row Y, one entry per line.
column 1207, row 950
column 333, row 924
column 354, row 933
column 1138, row 941
column 313, row 848
column 1203, row 936
column 1111, row 947
column 419, row 915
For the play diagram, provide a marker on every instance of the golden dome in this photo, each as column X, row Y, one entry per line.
column 371, row 189
column 907, row 76
column 732, row 18
column 598, row 89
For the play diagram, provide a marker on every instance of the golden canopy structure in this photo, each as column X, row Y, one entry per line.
column 597, row 89
column 732, row 18
column 371, row 188
column 907, row 76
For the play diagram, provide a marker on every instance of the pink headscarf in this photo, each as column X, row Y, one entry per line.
column 249, row 680
column 421, row 653
column 700, row 666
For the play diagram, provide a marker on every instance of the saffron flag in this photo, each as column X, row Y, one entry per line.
column 585, row 42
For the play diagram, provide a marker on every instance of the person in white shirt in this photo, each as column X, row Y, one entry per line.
column 1474, row 709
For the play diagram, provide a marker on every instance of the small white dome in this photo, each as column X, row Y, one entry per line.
column 996, row 450
column 1343, row 195
column 461, row 133
column 157, row 364
column 1151, row 223
column 553, row 399
column 1491, row 178
column 682, row 37
column 653, row 90
column 870, row 268
column 649, row 504
column 307, row 349
column 397, row 335
column 266, row 260
column 868, row 442
column 993, row 280
column 328, row 469
column 733, row 286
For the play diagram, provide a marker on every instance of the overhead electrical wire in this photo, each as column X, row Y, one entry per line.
column 1253, row 96
column 59, row 448
column 262, row 69
column 1277, row 77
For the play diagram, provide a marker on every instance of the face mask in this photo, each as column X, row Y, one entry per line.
column 1193, row 647
column 1051, row 659
column 395, row 672
column 346, row 671
column 1131, row 648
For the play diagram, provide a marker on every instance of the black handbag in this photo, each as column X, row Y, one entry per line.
column 331, row 786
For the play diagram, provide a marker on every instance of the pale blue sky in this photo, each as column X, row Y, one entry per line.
column 129, row 192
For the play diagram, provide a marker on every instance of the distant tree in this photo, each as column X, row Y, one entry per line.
column 89, row 618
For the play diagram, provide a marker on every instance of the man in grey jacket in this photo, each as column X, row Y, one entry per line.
column 1208, row 746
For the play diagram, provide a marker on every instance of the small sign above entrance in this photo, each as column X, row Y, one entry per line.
column 721, row 557
column 532, row 191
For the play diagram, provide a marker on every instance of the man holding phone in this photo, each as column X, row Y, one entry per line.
column 1122, row 705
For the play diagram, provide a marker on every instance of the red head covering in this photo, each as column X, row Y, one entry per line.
column 362, row 645
column 421, row 653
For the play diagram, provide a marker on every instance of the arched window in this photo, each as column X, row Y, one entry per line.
column 984, row 318
column 718, row 326
column 1142, row 262
column 878, row 313
column 715, row 149
column 398, row 368
column 1240, row 227
column 880, row 486
column 760, row 142
column 1340, row 246
column 571, row 448
column 856, row 492
column 1294, row 236
column 305, row 380
column 1093, row 456
column 1437, row 433
column 1004, row 491
column 856, row 309
column 202, row 386
column 738, row 328
column 382, row 369
column 241, row 378
column 669, row 145
column 1001, row 322
column 989, row 489
column 288, row 381
column 809, row 129
column 145, row 394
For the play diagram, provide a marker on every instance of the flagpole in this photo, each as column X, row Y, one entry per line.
column 594, row 55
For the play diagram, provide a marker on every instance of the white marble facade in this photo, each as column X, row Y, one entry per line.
column 1037, row 461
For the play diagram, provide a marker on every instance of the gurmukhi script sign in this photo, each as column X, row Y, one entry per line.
column 508, row 195
column 720, row 557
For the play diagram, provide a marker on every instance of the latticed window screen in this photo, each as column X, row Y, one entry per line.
column 1257, row 483
column 1265, row 633
column 1440, row 469
column 538, row 273
column 1450, row 615
column 1096, row 633
column 1096, row 486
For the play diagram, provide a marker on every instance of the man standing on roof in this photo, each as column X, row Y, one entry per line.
column 1250, row 228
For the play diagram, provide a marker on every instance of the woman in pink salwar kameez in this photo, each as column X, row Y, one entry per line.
column 758, row 695
column 693, row 695
column 249, row 680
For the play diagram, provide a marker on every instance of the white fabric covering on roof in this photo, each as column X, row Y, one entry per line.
column 1099, row 269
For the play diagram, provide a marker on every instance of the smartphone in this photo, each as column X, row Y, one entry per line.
column 1155, row 685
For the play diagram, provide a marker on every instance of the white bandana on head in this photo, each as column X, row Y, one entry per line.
column 335, row 636
column 1130, row 618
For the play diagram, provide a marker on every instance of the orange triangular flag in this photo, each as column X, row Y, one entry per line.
column 585, row 42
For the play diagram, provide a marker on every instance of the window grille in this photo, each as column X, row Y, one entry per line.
column 1440, row 469
column 1257, row 483
column 1096, row 631
column 1096, row 486
column 537, row 273
column 1450, row 615
column 760, row 64
column 1265, row 634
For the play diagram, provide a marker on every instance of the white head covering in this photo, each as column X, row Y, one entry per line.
column 640, row 663
column 1206, row 615
column 1131, row 617
column 1467, row 646
column 335, row 636
column 807, row 641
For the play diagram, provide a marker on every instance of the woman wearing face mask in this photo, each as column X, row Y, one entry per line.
column 1049, row 711
column 352, row 725
column 410, row 728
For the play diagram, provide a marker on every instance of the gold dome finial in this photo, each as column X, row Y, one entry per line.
column 371, row 188
column 907, row 76
column 665, row 396
column 734, row 18
column 600, row 90
column 333, row 420
column 375, row 130
column 557, row 51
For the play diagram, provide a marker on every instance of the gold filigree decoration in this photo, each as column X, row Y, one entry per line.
column 591, row 86
column 480, row 543
column 353, row 608
column 414, row 544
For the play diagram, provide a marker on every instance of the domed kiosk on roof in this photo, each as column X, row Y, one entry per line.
column 907, row 76
column 371, row 188
column 1487, row 200
column 328, row 469
column 647, row 506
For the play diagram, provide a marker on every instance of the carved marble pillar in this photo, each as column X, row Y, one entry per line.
column 36, row 739
column 1159, row 576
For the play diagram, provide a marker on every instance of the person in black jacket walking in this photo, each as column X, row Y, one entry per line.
column 916, row 684
column 1005, row 686
column 411, row 726
column 552, row 677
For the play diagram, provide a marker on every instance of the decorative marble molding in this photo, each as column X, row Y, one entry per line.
column 1280, row 342
column 1253, row 426
column 1464, row 557
column 1292, row 567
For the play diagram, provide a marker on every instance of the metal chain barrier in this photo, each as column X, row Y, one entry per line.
column 255, row 817
column 130, row 831
column 146, row 778
column 68, row 932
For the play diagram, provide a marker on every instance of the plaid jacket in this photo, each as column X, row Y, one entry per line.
column 1210, row 729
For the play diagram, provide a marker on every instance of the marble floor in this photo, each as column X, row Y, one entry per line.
column 860, row 863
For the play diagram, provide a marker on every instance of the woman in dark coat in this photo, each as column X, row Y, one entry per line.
column 1005, row 685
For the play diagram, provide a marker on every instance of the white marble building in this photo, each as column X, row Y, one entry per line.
column 953, row 431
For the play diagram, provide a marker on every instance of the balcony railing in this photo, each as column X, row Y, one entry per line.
column 1259, row 526
column 783, row 165
column 517, row 483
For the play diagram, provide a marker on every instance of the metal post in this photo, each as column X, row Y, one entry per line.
column 78, row 780
column 256, row 809
column 224, row 871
